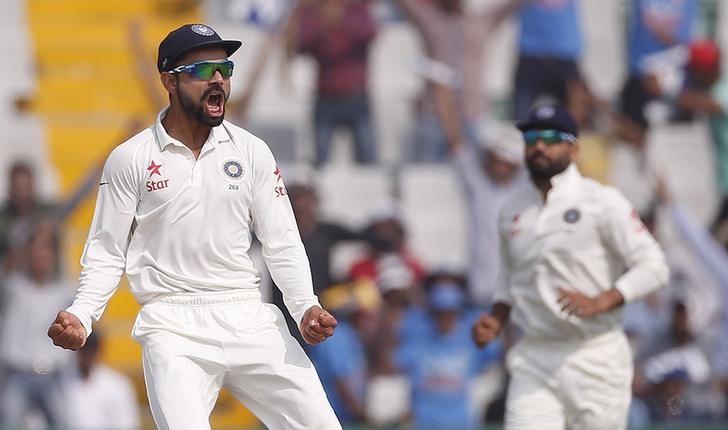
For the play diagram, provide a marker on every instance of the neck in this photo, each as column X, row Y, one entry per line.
column 39, row 278
column 185, row 129
column 22, row 208
column 85, row 372
column 543, row 185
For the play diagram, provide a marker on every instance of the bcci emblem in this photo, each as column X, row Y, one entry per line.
column 202, row 30
column 572, row 216
column 233, row 169
column 545, row 112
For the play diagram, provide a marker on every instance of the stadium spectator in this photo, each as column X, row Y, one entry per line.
column 706, row 93
column 710, row 303
column 20, row 214
column 99, row 397
column 337, row 34
column 676, row 379
column 549, row 50
column 399, row 288
column 455, row 45
column 319, row 238
column 489, row 171
column 341, row 362
column 442, row 364
column 34, row 370
column 659, row 31
column 385, row 235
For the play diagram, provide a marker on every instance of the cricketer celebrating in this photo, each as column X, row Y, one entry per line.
column 176, row 208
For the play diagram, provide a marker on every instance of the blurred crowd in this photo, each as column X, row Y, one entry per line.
column 402, row 353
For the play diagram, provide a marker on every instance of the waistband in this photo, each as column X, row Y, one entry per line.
column 206, row 298
column 594, row 340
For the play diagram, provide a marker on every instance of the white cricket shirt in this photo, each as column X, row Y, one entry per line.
column 179, row 224
column 585, row 237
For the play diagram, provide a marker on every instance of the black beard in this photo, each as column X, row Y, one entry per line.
column 548, row 171
column 197, row 110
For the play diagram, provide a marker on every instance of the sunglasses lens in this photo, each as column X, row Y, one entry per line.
column 549, row 137
column 205, row 71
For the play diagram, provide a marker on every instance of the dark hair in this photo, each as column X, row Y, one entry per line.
column 21, row 166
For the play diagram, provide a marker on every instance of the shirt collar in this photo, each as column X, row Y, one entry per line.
column 217, row 134
column 566, row 180
column 570, row 175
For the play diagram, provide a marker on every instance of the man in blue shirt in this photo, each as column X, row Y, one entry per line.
column 550, row 46
column 656, row 27
column 443, row 365
column 341, row 363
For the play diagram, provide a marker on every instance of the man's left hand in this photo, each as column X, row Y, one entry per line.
column 317, row 325
column 579, row 305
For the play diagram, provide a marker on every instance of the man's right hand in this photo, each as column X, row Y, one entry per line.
column 486, row 329
column 67, row 331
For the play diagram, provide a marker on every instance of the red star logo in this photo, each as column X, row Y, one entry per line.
column 278, row 174
column 154, row 168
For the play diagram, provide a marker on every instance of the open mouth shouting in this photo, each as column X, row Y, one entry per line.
column 214, row 103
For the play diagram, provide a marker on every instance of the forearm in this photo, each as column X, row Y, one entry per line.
column 609, row 300
column 420, row 13
column 642, row 279
column 290, row 271
column 92, row 296
column 447, row 112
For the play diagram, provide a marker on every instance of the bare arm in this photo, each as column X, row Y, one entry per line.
column 492, row 18
column 419, row 13
column 279, row 33
column 447, row 112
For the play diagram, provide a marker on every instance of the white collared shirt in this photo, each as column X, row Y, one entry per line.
column 585, row 237
column 179, row 224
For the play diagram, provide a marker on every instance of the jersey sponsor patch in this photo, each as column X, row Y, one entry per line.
column 639, row 226
column 279, row 189
column 157, row 185
column 233, row 169
column 154, row 169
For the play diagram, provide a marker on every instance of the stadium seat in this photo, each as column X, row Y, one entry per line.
column 350, row 193
column 434, row 211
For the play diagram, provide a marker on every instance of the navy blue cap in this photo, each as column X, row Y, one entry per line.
column 186, row 38
column 551, row 117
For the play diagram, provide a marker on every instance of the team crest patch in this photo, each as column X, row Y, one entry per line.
column 202, row 30
column 572, row 216
column 545, row 112
column 233, row 169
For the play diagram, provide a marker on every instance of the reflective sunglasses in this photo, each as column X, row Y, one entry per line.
column 205, row 70
column 549, row 137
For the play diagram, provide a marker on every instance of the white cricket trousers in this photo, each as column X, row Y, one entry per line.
column 577, row 385
column 195, row 344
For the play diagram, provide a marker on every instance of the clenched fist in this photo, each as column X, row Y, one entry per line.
column 317, row 325
column 67, row 331
column 486, row 329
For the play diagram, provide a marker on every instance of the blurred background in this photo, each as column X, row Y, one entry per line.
column 391, row 121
